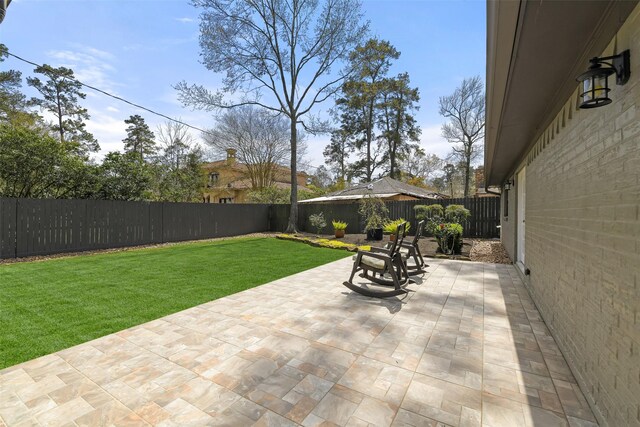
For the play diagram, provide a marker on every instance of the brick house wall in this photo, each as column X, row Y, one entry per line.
column 582, row 238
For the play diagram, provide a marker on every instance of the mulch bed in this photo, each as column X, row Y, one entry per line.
column 481, row 250
column 428, row 245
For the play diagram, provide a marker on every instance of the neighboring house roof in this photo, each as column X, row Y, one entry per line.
column 383, row 188
column 535, row 51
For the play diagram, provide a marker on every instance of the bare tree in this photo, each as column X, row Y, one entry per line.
column 418, row 164
column 465, row 109
column 260, row 138
column 178, row 173
column 286, row 48
column 175, row 141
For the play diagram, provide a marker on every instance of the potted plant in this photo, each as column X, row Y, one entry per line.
column 391, row 228
column 339, row 228
column 374, row 212
column 318, row 222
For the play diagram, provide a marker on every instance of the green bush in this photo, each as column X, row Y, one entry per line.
column 428, row 211
column 449, row 237
column 374, row 211
column 456, row 213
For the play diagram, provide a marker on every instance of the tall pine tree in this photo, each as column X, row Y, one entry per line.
column 398, row 126
column 60, row 96
column 359, row 101
column 140, row 139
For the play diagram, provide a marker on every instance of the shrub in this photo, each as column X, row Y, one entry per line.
column 339, row 225
column 457, row 213
column 391, row 227
column 428, row 211
column 449, row 237
column 318, row 222
column 374, row 211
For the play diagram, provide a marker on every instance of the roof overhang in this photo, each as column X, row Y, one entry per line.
column 535, row 50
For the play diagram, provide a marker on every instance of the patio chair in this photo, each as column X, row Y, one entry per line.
column 382, row 261
column 412, row 250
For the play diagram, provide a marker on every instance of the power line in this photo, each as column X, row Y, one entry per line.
column 122, row 99
column 115, row 96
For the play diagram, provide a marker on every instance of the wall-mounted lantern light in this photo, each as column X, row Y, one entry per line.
column 508, row 184
column 595, row 81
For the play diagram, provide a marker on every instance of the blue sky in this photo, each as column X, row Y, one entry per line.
column 139, row 49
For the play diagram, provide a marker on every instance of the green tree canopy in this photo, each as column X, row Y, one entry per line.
column 61, row 97
column 140, row 139
column 124, row 176
column 395, row 118
column 33, row 164
column 13, row 103
column 359, row 101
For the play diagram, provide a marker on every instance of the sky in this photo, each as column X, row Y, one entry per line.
column 139, row 49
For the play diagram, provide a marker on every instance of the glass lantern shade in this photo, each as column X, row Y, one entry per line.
column 595, row 86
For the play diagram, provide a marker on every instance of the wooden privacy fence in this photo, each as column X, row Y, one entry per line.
column 484, row 221
column 31, row 227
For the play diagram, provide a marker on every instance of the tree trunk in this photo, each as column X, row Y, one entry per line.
column 60, row 121
column 467, row 173
column 292, row 226
column 392, row 157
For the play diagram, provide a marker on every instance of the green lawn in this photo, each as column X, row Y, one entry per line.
column 51, row 305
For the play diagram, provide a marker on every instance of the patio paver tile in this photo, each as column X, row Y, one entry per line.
column 465, row 347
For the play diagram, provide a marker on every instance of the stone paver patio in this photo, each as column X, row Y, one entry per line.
column 466, row 347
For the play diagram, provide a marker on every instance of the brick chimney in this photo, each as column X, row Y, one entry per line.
column 231, row 156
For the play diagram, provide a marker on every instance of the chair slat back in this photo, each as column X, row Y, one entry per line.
column 400, row 233
column 419, row 231
column 397, row 242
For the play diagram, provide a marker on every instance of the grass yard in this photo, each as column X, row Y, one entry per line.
column 51, row 305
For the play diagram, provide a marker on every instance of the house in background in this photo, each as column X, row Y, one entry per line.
column 386, row 188
column 571, row 188
column 481, row 190
column 227, row 180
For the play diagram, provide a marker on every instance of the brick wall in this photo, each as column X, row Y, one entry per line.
column 583, row 239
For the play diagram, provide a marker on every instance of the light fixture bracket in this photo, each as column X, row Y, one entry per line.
column 620, row 63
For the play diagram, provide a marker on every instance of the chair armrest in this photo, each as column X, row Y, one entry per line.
column 381, row 256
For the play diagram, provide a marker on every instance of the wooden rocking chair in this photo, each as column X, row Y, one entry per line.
column 412, row 250
column 382, row 261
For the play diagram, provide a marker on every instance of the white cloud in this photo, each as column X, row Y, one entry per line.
column 185, row 20
column 108, row 130
column 91, row 66
column 432, row 141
